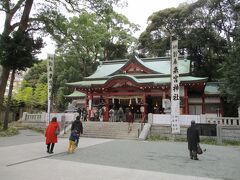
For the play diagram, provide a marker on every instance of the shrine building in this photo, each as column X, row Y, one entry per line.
column 142, row 85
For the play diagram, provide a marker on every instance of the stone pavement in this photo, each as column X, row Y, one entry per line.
column 24, row 157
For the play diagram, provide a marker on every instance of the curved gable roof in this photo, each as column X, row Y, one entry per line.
column 138, row 61
column 162, row 65
column 107, row 68
column 153, row 65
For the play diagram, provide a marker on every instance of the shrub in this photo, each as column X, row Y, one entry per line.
column 11, row 131
column 158, row 138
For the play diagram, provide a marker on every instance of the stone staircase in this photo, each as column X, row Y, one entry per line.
column 113, row 130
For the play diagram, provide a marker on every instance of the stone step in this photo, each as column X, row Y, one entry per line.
column 118, row 130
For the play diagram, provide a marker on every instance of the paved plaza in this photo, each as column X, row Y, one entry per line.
column 24, row 157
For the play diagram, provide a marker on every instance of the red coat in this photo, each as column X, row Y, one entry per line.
column 50, row 135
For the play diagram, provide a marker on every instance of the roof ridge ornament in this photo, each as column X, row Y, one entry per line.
column 135, row 55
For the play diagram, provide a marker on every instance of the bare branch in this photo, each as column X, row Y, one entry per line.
column 17, row 6
column 33, row 29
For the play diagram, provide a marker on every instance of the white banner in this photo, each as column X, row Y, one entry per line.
column 50, row 67
column 175, row 97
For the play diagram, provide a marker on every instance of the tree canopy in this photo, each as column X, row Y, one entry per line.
column 82, row 41
column 25, row 16
column 230, row 86
column 202, row 29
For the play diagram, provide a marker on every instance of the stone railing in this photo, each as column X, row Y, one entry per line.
column 33, row 117
column 224, row 121
column 43, row 117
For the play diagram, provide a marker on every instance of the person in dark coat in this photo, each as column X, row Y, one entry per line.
column 51, row 134
column 77, row 125
column 79, row 110
column 193, row 140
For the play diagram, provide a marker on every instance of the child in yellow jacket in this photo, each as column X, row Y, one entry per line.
column 73, row 137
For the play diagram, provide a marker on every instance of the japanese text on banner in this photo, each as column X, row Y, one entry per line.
column 175, row 97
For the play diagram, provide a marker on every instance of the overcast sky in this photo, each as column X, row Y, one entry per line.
column 137, row 12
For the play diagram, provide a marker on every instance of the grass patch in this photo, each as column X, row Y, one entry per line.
column 209, row 141
column 180, row 139
column 231, row 143
column 11, row 131
column 15, row 126
column 158, row 138
column 202, row 141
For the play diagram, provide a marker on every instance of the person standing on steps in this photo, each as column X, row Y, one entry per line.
column 84, row 114
column 51, row 134
column 77, row 125
column 193, row 140
column 130, row 120
column 111, row 115
column 120, row 114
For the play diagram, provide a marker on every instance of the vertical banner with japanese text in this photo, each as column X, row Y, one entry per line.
column 175, row 97
column 50, row 66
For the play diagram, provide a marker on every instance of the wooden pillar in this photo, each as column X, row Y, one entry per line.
column 90, row 99
column 86, row 102
column 164, row 95
column 203, row 104
column 144, row 113
column 106, row 111
column 186, row 100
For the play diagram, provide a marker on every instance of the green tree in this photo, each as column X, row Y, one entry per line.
column 90, row 37
column 194, row 27
column 25, row 95
column 40, row 96
column 11, row 10
column 17, row 53
column 36, row 74
column 18, row 16
column 36, row 81
column 230, row 87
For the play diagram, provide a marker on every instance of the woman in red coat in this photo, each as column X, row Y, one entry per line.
column 51, row 134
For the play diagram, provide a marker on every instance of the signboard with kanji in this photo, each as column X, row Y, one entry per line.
column 175, row 88
column 50, row 67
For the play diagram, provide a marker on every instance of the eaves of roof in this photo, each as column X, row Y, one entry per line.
column 76, row 94
column 212, row 88
column 156, row 80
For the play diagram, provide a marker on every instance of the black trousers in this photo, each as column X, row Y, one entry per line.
column 50, row 147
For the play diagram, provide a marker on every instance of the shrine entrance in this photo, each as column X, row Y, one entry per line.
column 128, row 103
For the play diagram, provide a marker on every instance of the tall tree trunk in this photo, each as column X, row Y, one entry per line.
column 25, row 16
column 6, row 118
column 23, row 24
column 3, row 83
